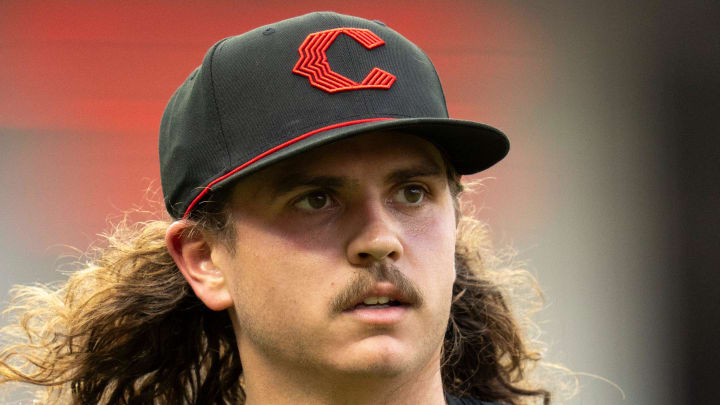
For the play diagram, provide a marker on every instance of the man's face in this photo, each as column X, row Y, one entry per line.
column 370, row 216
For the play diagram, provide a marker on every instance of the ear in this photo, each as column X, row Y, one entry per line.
column 192, row 253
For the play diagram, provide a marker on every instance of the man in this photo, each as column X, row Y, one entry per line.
column 312, row 173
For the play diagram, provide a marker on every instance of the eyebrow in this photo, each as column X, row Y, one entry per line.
column 295, row 180
column 400, row 175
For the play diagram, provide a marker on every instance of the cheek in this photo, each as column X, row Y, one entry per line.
column 431, row 250
column 431, row 256
column 276, row 275
column 433, row 234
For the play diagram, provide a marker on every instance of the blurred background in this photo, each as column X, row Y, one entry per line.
column 610, row 190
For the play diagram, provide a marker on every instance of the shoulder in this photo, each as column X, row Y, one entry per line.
column 451, row 400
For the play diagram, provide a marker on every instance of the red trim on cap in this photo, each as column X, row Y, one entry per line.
column 208, row 188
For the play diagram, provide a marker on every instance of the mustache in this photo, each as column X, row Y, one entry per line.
column 367, row 278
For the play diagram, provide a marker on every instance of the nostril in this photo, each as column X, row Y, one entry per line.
column 365, row 256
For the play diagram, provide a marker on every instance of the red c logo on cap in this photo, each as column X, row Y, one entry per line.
column 313, row 62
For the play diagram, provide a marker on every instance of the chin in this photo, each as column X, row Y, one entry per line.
column 381, row 356
column 375, row 369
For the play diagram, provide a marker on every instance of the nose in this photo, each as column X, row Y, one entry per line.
column 376, row 236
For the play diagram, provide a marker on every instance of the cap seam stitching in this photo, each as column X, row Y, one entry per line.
column 437, row 77
column 217, row 108
column 362, row 97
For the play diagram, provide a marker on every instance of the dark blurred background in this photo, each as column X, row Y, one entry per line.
column 610, row 191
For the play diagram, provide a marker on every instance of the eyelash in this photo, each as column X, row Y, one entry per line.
column 332, row 201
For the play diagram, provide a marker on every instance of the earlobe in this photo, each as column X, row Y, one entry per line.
column 192, row 253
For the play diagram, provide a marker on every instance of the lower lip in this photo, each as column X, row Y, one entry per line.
column 379, row 316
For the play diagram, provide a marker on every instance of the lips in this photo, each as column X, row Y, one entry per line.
column 379, row 296
column 382, row 306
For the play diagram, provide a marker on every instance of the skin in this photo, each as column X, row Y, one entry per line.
column 366, row 201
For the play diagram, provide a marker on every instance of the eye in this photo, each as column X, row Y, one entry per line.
column 412, row 194
column 314, row 201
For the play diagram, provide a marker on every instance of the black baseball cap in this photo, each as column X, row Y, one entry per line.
column 286, row 87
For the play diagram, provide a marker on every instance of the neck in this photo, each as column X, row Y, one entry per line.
column 273, row 384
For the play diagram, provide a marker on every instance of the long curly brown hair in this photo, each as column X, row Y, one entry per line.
column 126, row 328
